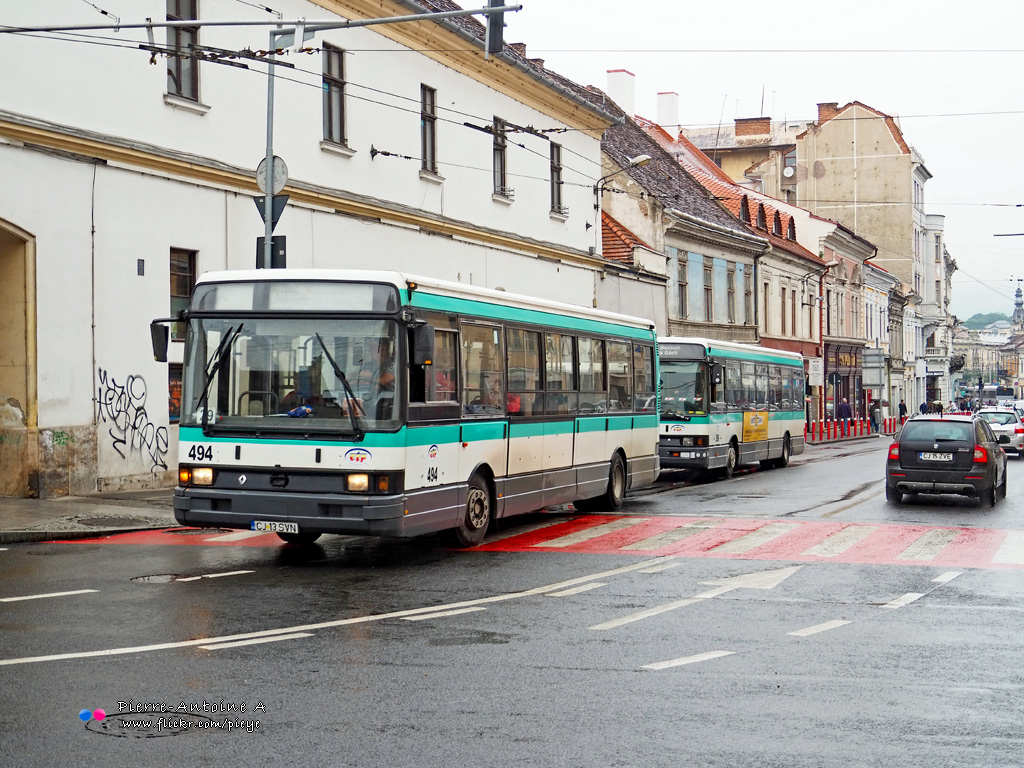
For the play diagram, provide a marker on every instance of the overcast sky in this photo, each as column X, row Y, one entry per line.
column 953, row 73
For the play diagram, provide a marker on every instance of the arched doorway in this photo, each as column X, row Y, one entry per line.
column 19, row 462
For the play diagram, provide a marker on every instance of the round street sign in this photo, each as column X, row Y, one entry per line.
column 278, row 179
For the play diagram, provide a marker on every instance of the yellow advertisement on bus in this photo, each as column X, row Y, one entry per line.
column 755, row 426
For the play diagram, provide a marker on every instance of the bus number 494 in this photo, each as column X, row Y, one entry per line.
column 432, row 475
column 201, row 453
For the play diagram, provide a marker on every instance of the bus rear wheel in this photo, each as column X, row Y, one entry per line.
column 783, row 460
column 476, row 516
column 612, row 498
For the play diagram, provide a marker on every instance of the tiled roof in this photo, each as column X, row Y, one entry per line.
column 617, row 242
column 714, row 180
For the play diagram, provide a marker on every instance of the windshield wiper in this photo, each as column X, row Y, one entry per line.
column 211, row 370
column 675, row 415
column 350, row 396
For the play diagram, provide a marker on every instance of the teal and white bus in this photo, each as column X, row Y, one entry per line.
column 726, row 404
column 360, row 402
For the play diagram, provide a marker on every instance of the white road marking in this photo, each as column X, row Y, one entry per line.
column 256, row 641
column 519, row 530
column 840, row 541
column 819, row 628
column 237, row 536
column 593, row 533
column 676, row 534
column 49, row 594
column 578, row 590
column 645, row 614
column 660, row 568
column 189, row 578
column 3, row 549
column 946, row 577
column 749, row 541
column 928, row 545
column 226, row 573
column 908, row 598
column 335, row 623
column 688, row 660
column 442, row 614
column 1011, row 551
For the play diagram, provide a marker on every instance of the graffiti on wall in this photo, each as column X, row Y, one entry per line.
column 123, row 407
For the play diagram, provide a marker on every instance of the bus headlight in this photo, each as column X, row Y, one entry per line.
column 358, row 483
column 688, row 442
column 202, row 476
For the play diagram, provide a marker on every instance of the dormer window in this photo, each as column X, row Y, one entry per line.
column 777, row 224
column 744, row 209
column 762, row 223
column 791, row 229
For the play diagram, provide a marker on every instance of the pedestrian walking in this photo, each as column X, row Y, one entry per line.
column 923, row 408
column 903, row 411
column 844, row 413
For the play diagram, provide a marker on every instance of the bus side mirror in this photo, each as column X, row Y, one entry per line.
column 717, row 371
column 160, row 334
column 423, row 345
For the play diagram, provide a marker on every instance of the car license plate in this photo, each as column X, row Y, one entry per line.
column 936, row 457
column 271, row 526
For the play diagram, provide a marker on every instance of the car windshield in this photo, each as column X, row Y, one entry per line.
column 938, row 430
column 995, row 417
column 272, row 374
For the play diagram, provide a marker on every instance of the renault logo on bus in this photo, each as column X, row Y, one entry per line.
column 357, row 456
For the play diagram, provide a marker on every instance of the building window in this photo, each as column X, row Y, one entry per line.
column 777, row 224
column 334, row 94
column 744, row 209
column 791, row 228
column 556, row 180
column 709, row 307
column 762, row 222
column 730, row 282
column 782, row 306
column 500, row 159
column 684, row 287
column 183, row 67
column 183, row 280
column 748, row 298
column 828, row 313
column 793, row 313
column 428, row 129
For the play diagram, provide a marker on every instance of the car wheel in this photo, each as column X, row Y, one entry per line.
column 476, row 515
column 302, row 539
column 892, row 495
column 730, row 462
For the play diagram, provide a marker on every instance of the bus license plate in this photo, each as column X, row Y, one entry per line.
column 936, row 457
column 271, row 526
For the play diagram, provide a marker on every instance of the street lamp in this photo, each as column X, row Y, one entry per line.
column 634, row 162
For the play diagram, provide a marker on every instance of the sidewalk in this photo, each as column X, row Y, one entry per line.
column 84, row 517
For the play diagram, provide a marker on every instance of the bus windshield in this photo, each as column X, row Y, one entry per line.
column 683, row 388
column 268, row 374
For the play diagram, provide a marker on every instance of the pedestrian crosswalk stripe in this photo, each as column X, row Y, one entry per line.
column 841, row 541
column 673, row 535
column 593, row 533
column 929, row 545
column 755, row 539
column 1011, row 551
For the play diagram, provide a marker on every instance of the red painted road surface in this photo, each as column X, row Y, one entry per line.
column 748, row 539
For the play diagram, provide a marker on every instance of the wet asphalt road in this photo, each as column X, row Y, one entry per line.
column 540, row 649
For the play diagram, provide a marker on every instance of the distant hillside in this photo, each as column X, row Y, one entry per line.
column 977, row 322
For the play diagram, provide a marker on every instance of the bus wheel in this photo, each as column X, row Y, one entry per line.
column 730, row 462
column 783, row 460
column 299, row 538
column 476, row 517
column 611, row 499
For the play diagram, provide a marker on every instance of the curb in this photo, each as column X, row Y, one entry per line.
column 25, row 537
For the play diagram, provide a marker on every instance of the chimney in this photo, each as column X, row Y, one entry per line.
column 538, row 63
column 827, row 110
column 753, row 126
column 668, row 113
column 621, row 84
column 519, row 48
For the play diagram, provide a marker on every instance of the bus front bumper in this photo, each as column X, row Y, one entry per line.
column 675, row 457
column 314, row 513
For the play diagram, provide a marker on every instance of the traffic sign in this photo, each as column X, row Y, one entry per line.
column 277, row 208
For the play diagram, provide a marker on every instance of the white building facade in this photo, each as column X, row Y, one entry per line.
column 131, row 170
